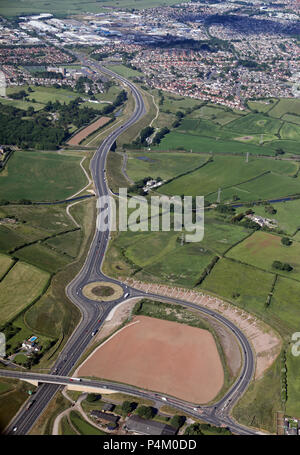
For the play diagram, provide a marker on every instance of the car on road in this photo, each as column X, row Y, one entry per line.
column 15, row 428
column 94, row 332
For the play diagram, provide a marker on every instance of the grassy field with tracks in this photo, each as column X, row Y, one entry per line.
column 25, row 283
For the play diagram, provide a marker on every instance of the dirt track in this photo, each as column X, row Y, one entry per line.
column 160, row 355
column 75, row 140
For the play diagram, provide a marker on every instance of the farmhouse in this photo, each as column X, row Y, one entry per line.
column 137, row 425
column 31, row 345
column 271, row 224
column 108, row 407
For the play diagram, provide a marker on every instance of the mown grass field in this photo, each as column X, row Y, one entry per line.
column 122, row 70
column 262, row 249
column 45, row 177
column 44, row 94
column 40, row 96
column 20, row 104
column 25, row 283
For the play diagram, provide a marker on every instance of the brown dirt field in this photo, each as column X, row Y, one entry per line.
column 75, row 140
column 265, row 341
column 160, row 355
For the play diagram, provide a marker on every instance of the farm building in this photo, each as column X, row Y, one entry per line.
column 136, row 424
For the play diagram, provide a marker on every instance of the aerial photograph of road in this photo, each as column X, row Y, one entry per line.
column 149, row 222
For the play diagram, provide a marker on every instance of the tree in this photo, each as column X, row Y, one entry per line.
column 177, row 421
column 286, row 241
column 146, row 412
column 127, row 407
column 282, row 266
column 92, row 397
column 193, row 429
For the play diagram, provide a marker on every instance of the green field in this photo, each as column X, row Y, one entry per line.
column 231, row 172
column 11, row 402
column 12, row 8
column 293, row 379
column 287, row 146
column 292, row 118
column 290, row 131
column 285, row 106
column 20, row 104
column 5, row 263
column 160, row 164
column 158, row 257
column 219, row 236
column 122, row 70
column 266, row 187
column 262, row 248
column 66, row 244
column 285, row 304
column 44, row 94
column 25, row 283
column 257, row 407
column 181, row 141
column 262, row 105
column 216, row 114
column 256, row 124
column 45, row 177
column 42, row 257
column 82, row 426
column 34, row 222
column 173, row 103
column 246, row 286
column 204, row 128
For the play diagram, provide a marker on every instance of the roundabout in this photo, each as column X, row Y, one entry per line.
column 102, row 291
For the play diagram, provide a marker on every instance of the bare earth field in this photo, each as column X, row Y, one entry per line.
column 75, row 140
column 156, row 355
column 265, row 342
